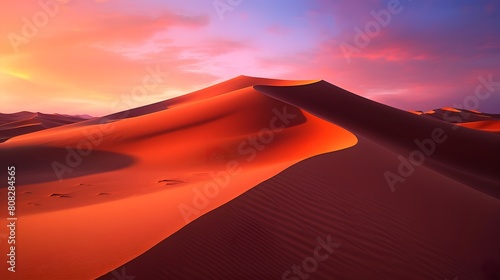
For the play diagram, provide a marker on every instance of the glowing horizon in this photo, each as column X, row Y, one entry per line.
column 79, row 57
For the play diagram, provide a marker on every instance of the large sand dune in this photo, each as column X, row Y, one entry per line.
column 162, row 169
column 244, row 179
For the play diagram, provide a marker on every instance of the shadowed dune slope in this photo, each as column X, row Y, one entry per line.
column 441, row 222
column 466, row 155
column 78, row 218
column 244, row 179
column 16, row 124
column 432, row 227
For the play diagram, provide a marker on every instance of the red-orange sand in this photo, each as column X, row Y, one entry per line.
column 137, row 185
column 492, row 126
column 119, row 211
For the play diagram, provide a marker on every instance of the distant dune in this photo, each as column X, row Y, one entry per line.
column 257, row 178
column 466, row 118
column 20, row 123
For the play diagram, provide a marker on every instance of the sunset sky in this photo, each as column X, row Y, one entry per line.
column 87, row 56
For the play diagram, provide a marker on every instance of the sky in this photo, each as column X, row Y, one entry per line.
column 102, row 56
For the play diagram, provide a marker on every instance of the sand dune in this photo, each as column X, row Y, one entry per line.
column 6, row 118
column 16, row 124
column 416, row 232
column 492, row 126
column 399, row 130
column 453, row 115
column 240, row 180
column 431, row 228
column 215, row 90
column 466, row 118
column 151, row 168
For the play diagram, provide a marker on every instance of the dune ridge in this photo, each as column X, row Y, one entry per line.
column 412, row 233
column 157, row 160
column 466, row 118
column 307, row 161
column 12, row 125
column 391, row 128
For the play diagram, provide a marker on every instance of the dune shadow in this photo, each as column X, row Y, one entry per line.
column 39, row 164
column 491, row 270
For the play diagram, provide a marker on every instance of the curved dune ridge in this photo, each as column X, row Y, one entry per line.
column 431, row 228
column 438, row 224
column 399, row 131
column 126, row 184
column 244, row 179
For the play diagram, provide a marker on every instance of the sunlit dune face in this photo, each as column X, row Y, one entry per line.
column 416, row 112
column 220, row 145
column 450, row 109
column 492, row 126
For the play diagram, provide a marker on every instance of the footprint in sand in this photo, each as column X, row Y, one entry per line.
column 171, row 182
column 61, row 195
